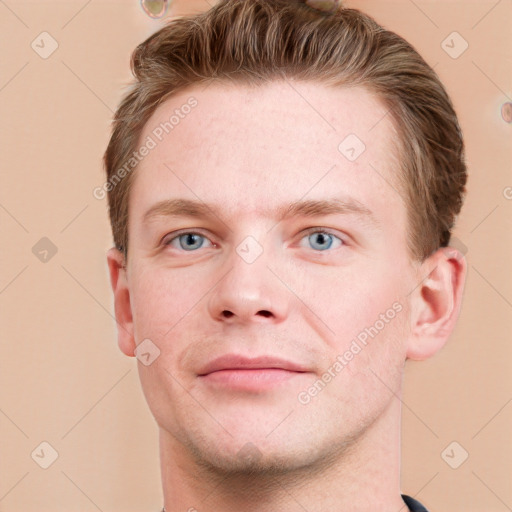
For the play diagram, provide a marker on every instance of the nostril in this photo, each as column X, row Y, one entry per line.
column 228, row 314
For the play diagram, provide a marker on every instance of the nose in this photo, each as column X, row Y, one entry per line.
column 248, row 293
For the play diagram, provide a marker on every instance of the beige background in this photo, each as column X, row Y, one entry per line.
column 63, row 379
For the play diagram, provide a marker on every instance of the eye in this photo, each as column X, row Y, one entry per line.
column 322, row 240
column 188, row 241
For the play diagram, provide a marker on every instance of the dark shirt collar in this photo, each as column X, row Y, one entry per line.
column 414, row 506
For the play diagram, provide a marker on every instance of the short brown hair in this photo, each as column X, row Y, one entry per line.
column 257, row 41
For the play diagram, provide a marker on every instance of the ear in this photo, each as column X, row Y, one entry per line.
column 436, row 302
column 122, row 306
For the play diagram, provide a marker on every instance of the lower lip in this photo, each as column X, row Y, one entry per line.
column 250, row 380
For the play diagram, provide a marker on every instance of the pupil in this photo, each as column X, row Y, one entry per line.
column 321, row 239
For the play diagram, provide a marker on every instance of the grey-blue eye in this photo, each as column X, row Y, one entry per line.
column 187, row 241
column 321, row 241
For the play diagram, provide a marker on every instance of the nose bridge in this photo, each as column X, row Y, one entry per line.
column 249, row 291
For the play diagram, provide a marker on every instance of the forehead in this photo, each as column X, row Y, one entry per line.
column 253, row 148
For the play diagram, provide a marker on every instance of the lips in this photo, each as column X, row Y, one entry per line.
column 240, row 362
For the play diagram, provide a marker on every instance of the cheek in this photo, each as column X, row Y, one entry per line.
column 352, row 300
column 372, row 362
column 162, row 297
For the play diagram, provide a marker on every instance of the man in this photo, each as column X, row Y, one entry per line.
column 282, row 184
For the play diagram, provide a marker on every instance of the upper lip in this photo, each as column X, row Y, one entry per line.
column 237, row 362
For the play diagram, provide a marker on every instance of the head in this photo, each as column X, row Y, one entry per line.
column 325, row 163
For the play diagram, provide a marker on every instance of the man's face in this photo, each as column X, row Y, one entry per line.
column 251, row 282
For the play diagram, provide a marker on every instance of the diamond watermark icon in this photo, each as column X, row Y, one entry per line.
column 249, row 453
column 147, row 352
column 44, row 455
column 454, row 455
column 351, row 147
column 454, row 45
column 458, row 244
column 44, row 45
column 44, row 250
column 249, row 249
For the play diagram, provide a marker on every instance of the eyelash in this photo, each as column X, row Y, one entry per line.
column 306, row 233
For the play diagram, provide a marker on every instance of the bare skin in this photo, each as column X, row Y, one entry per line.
column 317, row 282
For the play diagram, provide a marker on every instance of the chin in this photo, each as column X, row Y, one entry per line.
column 260, row 459
column 250, row 462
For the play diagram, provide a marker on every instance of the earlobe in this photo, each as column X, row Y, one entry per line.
column 436, row 302
column 122, row 306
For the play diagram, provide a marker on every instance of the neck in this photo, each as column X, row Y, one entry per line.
column 364, row 476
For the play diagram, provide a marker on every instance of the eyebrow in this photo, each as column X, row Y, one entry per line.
column 303, row 208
